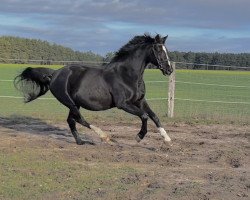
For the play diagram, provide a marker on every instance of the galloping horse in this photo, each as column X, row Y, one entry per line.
column 117, row 84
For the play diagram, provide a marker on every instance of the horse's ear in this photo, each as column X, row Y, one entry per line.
column 164, row 39
column 157, row 38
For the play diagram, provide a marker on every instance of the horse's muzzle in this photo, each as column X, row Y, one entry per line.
column 169, row 72
column 166, row 71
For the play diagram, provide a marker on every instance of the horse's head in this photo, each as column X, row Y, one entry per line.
column 159, row 55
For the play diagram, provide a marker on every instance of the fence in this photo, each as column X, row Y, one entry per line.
column 51, row 62
column 219, row 95
column 222, row 94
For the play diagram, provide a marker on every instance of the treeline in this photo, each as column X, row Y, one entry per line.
column 208, row 59
column 23, row 50
column 226, row 59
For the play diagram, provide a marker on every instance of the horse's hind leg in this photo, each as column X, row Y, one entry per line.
column 57, row 87
column 75, row 116
column 72, row 118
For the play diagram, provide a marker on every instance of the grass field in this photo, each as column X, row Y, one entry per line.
column 225, row 95
column 200, row 95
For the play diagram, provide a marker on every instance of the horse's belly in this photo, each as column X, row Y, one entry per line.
column 94, row 98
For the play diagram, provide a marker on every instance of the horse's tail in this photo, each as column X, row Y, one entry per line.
column 33, row 82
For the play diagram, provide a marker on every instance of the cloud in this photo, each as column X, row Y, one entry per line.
column 103, row 26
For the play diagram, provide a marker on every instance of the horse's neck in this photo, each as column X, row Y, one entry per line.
column 135, row 64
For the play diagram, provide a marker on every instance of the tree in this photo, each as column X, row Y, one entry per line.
column 108, row 57
column 32, row 49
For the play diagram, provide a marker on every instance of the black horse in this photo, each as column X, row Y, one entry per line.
column 118, row 84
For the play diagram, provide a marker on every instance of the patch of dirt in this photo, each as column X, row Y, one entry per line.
column 204, row 161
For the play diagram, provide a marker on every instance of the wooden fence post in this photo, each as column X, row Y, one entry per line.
column 171, row 90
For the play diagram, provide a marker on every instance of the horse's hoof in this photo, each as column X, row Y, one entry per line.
column 168, row 142
column 137, row 138
column 109, row 140
column 82, row 142
column 89, row 142
column 105, row 139
column 79, row 142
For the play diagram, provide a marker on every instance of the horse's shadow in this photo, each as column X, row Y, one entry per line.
column 35, row 126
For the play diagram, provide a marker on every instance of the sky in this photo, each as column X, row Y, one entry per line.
column 104, row 26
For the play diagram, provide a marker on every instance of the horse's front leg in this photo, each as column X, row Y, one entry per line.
column 145, row 107
column 134, row 110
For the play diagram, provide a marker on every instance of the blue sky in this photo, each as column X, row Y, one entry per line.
column 104, row 26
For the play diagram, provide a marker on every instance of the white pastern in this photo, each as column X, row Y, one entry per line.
column 99, row 132
column 164, row 134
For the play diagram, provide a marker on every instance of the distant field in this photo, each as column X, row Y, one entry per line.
column 200, row 95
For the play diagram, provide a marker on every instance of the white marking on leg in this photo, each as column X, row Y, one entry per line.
column 164, row 134
column 102, row 135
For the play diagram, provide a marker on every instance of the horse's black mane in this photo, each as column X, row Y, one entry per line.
column 137, row 41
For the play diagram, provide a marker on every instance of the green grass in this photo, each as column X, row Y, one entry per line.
column 213, row 95
column 36, row 174
column 217, row 91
